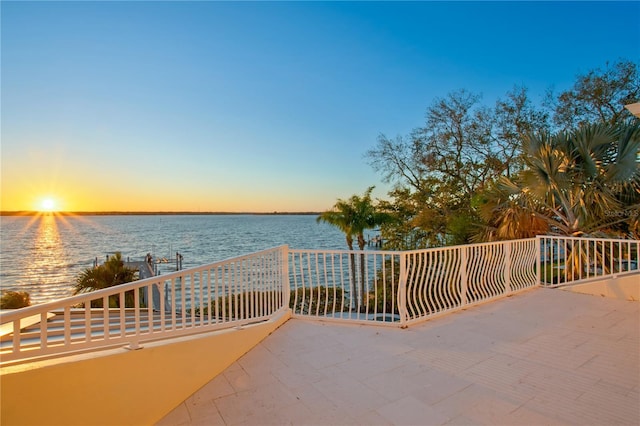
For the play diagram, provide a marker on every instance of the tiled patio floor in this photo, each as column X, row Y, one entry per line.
column 537, row 358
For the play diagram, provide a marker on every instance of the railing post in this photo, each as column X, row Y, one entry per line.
column 134, row 344
column 286, row 285
column 402, row 291
column 507, row 267
column 463, row 275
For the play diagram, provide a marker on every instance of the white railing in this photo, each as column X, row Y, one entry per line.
column 568, row 260
column 452, row 278
column 345, row 285
column 225, row 294
column 384, row 287
column 398, row 288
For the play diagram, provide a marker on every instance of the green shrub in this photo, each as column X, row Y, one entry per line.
column 231, row 306
column 311, row 301
column 14, row 300
column 314, row 301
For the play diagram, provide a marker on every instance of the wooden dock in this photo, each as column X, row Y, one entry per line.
column 144, row 268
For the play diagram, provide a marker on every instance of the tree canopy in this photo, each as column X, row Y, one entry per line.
column 598, row 96
column 465, row 164
column 354, row 216
column 580, row 183
column 14, row 299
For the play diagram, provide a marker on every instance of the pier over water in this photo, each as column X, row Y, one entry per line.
column 145, row 269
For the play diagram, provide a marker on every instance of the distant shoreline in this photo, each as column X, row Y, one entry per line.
column 116, row 213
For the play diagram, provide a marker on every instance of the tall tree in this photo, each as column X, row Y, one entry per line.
column 444, row 165
column 599, row 96
column 447, row 175
column 353, row 217
column 514, row 117
column 417, row 223
column 585, row 182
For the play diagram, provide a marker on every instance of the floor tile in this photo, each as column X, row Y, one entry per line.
column 539, row 357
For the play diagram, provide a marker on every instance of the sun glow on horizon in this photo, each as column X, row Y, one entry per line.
column 48, row 205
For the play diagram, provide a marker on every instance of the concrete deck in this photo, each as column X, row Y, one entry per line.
column 537, row 358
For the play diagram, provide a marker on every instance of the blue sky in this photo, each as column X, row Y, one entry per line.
column 245, row 106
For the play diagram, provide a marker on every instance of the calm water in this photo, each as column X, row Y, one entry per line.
column 44, row 255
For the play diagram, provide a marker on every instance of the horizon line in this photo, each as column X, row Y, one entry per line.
column 145, row 213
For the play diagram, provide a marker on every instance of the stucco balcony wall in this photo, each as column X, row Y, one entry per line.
column 120, row 386
column 626, row 287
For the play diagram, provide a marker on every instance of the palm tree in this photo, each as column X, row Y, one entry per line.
column 586, row 181
column 353, row 217
column 111, row 273
column 508, row 214
column 582, row 183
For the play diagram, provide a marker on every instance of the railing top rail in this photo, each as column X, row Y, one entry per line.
column 564, row 237
column 469, row 245
column 344, row 251
column 395, row 252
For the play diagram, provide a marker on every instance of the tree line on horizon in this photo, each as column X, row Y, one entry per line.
column 568, row 165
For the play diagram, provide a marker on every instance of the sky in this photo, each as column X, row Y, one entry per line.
column 259, row 106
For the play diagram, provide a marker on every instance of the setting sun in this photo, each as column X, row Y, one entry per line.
column 48, row 205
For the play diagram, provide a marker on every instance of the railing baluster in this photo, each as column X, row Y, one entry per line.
column 402, row 289
column 588, row 259
column 183, row 302
column 375, row 284
column 172, row 308
column 219, row 296
column 507, row 267
column 136, row 309
column 67, row 326
column 421, row 286
column 44, row 331
column 365, row 284
column 122, row 315
column 162, row 288
column 87, row 322
column 464, row 281
column 326, row 287
column 611, row 257
column 105, row 318
column 202, row 297
column 234, row 307
column 244, row 275
column 341, row 258
column 16, row 339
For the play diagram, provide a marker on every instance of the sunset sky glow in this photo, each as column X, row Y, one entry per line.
column 259, row 106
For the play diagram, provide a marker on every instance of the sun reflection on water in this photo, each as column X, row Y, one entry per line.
column 43, row 254
column 47, row 259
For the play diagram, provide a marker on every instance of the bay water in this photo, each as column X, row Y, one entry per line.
column 44, row 254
